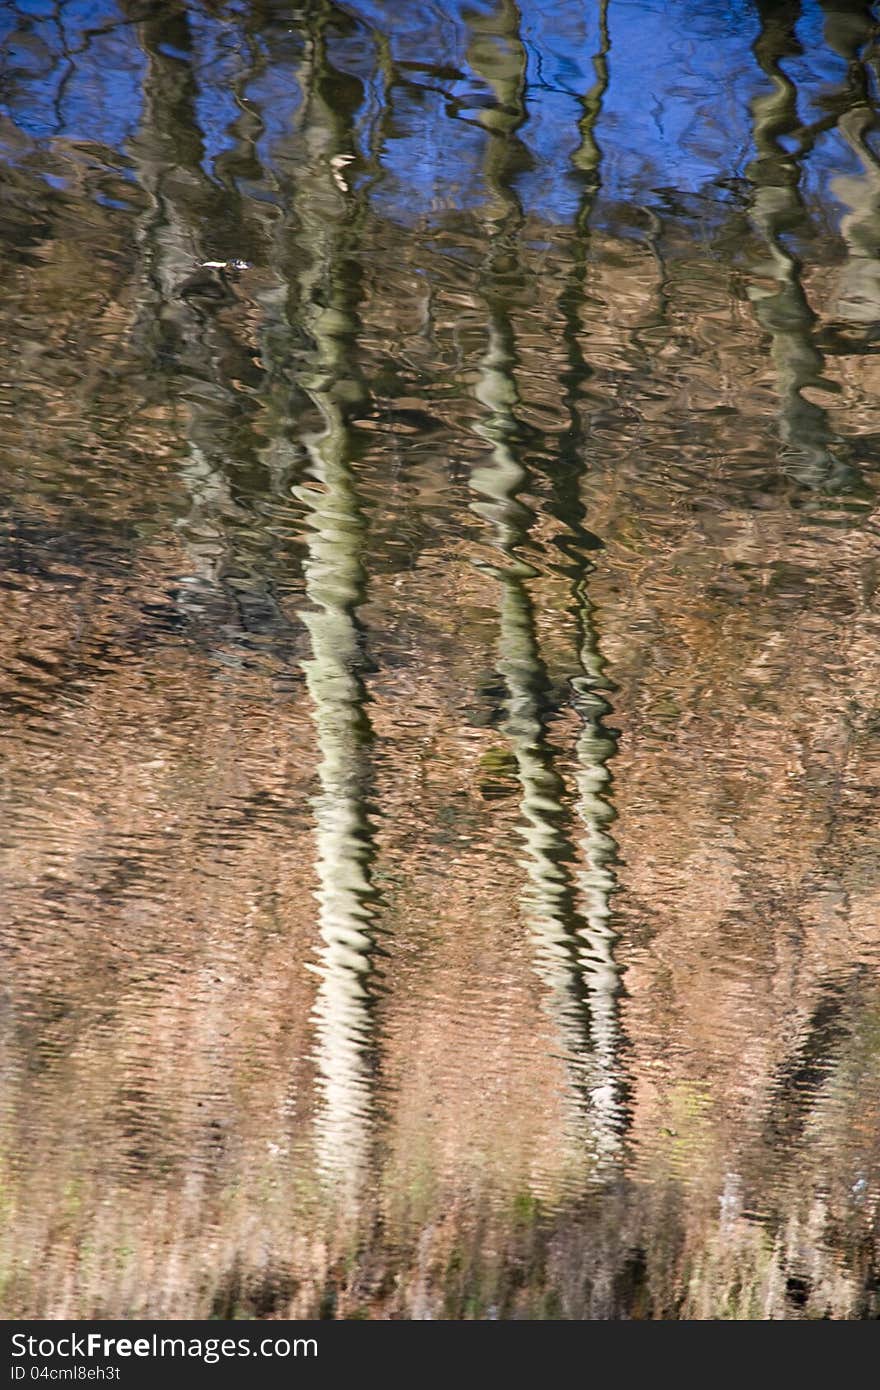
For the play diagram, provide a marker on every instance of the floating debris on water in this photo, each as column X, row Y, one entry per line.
column 337, row 164
column 235, row 264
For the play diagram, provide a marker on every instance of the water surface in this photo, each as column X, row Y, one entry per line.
column 440, row 659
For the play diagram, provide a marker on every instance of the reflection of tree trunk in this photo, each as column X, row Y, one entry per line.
column 176, row 326
column 550, row 902
column 196, row 354
column 849, row 24
column 588, row 156
column 595, row 746
column 496, row 52
column 808, row 444
column 334, row 584
column 859, row 285
column 168, row 153
column 557, row 930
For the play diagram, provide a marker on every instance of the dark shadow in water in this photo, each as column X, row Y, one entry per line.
column 800, row 1078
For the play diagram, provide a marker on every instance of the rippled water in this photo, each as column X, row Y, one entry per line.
column 440, row 658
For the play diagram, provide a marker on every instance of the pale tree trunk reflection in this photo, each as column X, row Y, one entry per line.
column 572, row 951
column 334, row 586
